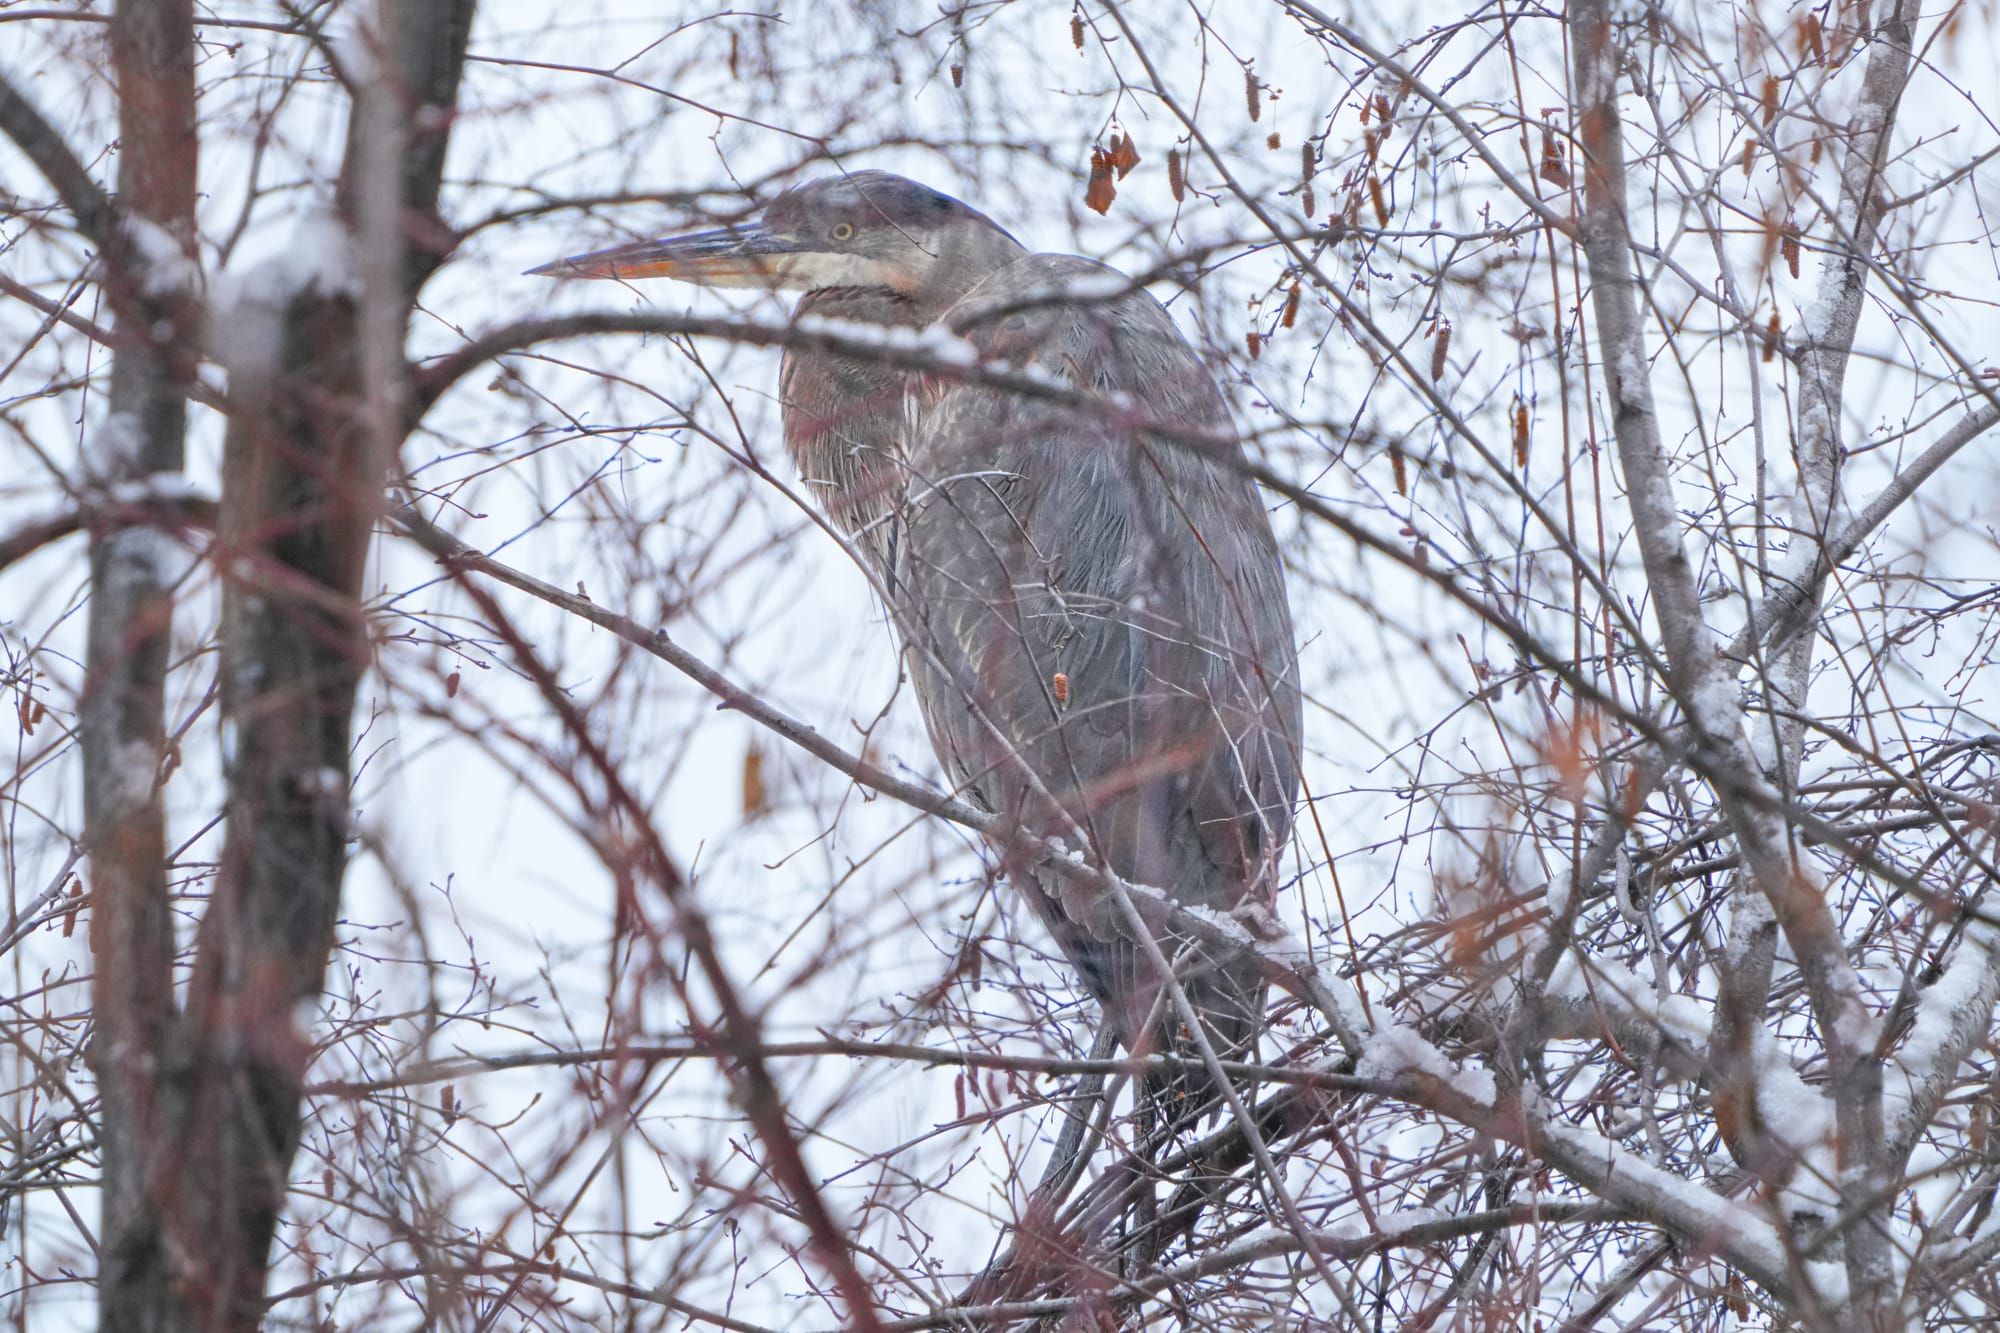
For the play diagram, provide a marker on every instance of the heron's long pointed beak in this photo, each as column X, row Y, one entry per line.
column 745, row 256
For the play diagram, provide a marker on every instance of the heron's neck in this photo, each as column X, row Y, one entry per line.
column 966, row 258
column 873, row 305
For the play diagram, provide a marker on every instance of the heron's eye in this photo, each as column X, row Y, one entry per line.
column 843, row 231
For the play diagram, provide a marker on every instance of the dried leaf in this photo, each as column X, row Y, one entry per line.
column 1176, row 181
column 1124, row 154
column 1097, row 195
column 1555, row 168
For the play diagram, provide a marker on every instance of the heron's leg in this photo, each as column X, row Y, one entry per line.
column 1067, row 1162
column 1087, row 1110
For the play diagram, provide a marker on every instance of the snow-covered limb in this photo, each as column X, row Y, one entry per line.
column 1697, row 1214
column 1829, row 321
column 140, row 562
column 1588, row 994
column 1701, row 685
column 1705, row 691
column 247, row 310
column 1954, row 1015
column 115, row 448
column 1394, row 1052
column 1796, row 1127
column 159, row 488
column 162, row 268
column 1703, row 1219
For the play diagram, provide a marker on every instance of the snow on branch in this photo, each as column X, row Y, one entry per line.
column 247, row 310
column 1954, row 1015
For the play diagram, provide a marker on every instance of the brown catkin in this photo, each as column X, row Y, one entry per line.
column 1440, row 349
column 1176, row 182
column 754, row 796
column 1253, row 94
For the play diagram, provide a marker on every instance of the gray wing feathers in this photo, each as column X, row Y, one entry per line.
column 1105, row 611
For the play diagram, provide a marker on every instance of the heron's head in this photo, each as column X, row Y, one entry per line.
column 869, row 229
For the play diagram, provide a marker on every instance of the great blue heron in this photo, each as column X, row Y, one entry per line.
column 1094, row 618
